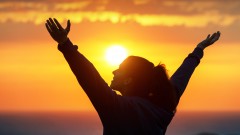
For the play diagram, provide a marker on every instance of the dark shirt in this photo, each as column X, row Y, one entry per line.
column 126, row 115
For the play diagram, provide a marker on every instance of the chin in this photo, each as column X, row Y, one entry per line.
column 114, row 86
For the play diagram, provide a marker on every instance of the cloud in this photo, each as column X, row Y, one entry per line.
column 198, row 20
column 143, row 12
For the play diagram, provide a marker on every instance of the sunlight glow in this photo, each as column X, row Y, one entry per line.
column 115, row 54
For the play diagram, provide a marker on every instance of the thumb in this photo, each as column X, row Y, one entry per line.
column 208, row 36
column 68, row 26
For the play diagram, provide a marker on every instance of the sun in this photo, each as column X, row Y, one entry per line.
column 115, row 54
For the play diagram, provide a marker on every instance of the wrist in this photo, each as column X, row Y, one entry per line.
column 201, row 46
column 67, row 46
column 63, row 41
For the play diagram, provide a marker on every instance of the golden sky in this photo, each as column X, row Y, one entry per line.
column 34, row 75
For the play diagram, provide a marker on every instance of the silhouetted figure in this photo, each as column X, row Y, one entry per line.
column 149, row 98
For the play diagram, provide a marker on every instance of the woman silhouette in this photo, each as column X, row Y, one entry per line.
column 149, row 98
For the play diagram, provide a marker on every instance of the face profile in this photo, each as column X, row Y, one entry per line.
column 118, row 80
column 129, row 72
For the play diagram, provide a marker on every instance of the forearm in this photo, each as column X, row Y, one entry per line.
column 181, row 77
column 86, row 74
column 79, row 65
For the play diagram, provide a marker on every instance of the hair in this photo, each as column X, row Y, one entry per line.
column 151, row 82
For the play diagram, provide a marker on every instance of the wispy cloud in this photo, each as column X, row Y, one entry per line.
column 144, row 12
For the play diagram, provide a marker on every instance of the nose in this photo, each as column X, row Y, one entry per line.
column 115, row 71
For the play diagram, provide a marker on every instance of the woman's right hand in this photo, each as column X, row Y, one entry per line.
column 57, row 32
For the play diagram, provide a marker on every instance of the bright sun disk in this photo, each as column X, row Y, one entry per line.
column 115, row 54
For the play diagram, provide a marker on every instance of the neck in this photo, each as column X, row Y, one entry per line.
column 133, row 92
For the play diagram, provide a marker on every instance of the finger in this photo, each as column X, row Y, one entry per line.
column 213, row 35
column 49, row 30
column 216, row 37
column 218, row 33
column 58, row 24
column 53, row 25
column 208, row 36
column 50, row 25
column 68, row 26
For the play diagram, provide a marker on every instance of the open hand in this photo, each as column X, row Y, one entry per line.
column 57, row 32
column 209, row 40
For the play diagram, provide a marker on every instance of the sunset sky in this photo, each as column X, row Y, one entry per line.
column 34, row 75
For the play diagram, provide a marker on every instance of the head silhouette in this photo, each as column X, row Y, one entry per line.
column 136, row 76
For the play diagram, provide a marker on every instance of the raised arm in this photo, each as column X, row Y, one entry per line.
column 181, row 77
column 100, row 94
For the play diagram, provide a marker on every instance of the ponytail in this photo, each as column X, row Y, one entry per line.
column 162, row 91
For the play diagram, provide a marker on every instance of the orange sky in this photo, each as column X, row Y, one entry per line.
column 35, row 76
